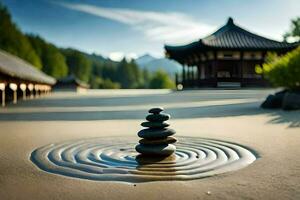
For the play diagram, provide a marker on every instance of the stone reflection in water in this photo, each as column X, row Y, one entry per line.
column 156, row 165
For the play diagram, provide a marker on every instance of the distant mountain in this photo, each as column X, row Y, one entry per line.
column 95, row 57
column 99, row 59
column 153, row 64
column 144, row 59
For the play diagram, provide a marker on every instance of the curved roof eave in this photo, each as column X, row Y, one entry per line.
column 17, row 68
column 231, row 37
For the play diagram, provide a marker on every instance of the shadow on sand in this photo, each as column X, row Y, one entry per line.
column 95, row 101
column 292, row 118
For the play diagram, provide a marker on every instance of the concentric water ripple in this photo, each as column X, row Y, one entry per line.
column 115, row 159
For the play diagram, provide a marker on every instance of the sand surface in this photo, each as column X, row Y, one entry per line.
column 231, row 115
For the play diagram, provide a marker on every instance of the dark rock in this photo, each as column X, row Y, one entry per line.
column 155, row 124
column 168, row 140
column 158, row 117
column 269, row 102
column 291, row 101
column 155, row 133
column 159, row 150
column 156, row 140
column 274, row 101
column 282, row 92
column 156, row 110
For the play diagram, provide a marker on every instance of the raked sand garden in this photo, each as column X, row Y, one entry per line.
column 112, row 118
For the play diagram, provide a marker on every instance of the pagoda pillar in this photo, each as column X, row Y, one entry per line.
column 241, row 68
column 188, row 76
column 183, row 75
column 215, row 69
column 192, row 77
column 198, row 74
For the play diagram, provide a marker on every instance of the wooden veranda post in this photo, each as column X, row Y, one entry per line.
column 14, row 88
column 2, row 88
column 23, row 88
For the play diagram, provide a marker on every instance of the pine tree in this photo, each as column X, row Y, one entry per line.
column 13, row 41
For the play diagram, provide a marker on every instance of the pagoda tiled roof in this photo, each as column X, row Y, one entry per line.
column 231, row 37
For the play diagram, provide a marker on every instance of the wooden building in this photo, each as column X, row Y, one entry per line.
column 226, row 57
column 20, row 79
column 71, row 84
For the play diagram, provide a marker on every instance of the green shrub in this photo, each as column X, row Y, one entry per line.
column 99, row 83
column 108, row 84
column 161, row 80
column 282, row 71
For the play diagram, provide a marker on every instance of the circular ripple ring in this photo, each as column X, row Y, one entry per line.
column 113, row 159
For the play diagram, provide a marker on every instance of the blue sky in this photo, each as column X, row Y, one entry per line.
column 135, row 27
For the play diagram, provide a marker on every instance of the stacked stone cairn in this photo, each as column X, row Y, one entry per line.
column 156, row 139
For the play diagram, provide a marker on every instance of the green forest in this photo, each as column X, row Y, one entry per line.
column 57, row 62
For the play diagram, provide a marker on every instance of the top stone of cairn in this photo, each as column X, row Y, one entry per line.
column 156, row 110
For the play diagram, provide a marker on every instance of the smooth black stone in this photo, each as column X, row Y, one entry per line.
column 167, row 140
column 274, row 101
column 155, row 124
column 156, row 110
column 291, row 101
column 155, row 133
column 158, row 117
column 158, row 150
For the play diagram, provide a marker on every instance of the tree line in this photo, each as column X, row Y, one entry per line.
column 94, row 69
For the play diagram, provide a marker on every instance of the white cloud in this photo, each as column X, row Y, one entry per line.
column 118, row 56
column 169, row 27
column 132, row 56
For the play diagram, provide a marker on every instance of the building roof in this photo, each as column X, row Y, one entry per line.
column 232, row 37
column 15, row 67
column 71, row 79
